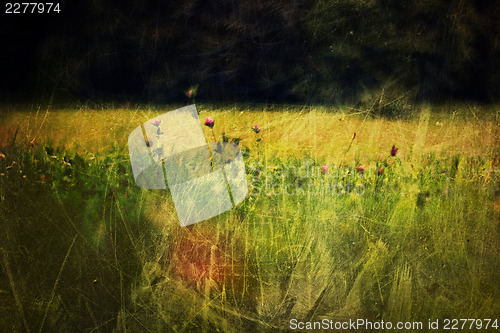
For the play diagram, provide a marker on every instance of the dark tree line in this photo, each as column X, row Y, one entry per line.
column 322, row 51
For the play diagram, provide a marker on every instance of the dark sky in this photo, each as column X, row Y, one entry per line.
column 21, row 36
column 248, row 50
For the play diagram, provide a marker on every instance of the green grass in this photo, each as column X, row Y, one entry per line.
column 84, row 249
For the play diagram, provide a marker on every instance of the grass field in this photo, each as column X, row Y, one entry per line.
column 406, row 238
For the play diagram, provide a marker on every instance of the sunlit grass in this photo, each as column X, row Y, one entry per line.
column 83, row 248
column 321, row 132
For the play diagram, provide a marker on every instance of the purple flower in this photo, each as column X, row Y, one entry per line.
column 156, row 122
column 256, row 128
column 394, row 151
column 209, row 122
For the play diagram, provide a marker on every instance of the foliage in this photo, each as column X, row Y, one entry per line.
column 342, row 51
column 83, row 248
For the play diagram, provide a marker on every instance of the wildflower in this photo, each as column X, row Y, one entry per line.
column 380, row 171
column 324, row 169
column 156, row 122
column 256, row 129
column 32, row 143
column 360, row 169
column 191, row 92
column 394, row 151
column 209, row 122
column 2, row 156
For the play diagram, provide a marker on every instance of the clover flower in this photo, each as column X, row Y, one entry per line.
column 256, row 129
column 394, row 151
column 324, row 169
column 209, row 122
column 156, row 122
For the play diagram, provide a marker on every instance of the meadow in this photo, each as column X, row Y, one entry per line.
column 337, row 226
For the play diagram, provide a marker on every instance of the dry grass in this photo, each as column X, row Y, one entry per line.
column 90, row 250
column 321, row 133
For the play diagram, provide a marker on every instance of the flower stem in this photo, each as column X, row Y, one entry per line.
column 348, row 148
column 215, row 140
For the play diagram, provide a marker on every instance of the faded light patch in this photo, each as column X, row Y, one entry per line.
column 171, row 149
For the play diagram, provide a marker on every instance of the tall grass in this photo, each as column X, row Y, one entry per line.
column 84, row 249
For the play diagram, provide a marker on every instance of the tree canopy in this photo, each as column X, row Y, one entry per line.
column 322, row 51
